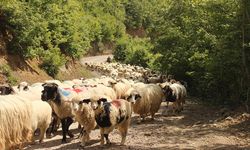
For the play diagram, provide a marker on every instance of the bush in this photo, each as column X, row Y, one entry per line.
column 6, row 70
column 120, row 50
column 138, row 52
column 52, row 60
column 135, row 51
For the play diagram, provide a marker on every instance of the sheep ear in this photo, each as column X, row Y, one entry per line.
column 54, row 84
column 112, row 82
column 26, row 88
column 161, row 85
column 102, row 100
column 84, row 101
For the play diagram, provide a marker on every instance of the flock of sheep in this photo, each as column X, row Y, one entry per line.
column 106, row 102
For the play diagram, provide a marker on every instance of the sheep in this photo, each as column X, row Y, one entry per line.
column 61, row 103
column 15, row 122
column 6, row 89
column 23, row 86
column 120, row 88
column 41, row 117
column 148, row 99
column 175, row 93
column 85, row 115
column 110, row 115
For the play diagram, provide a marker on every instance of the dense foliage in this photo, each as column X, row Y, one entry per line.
column 58, row 30
column 204, row 42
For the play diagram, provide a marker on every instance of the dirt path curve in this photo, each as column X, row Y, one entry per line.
column 101, row 58
column 199, row 126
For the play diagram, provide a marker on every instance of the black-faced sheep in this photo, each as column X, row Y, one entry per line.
column 60, row 101
column 175, row 93
column 110, row 115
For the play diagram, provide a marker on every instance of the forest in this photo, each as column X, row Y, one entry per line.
column 203, row 42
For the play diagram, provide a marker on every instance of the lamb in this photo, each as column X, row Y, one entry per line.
column 15, row 122
column 148, row 99
column 41, row 117
column 110, row 115
column 60, row 101
column 85, row 116
column 175, row 93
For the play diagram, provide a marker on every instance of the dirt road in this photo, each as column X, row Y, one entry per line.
column 199, row 126
column 101, row 58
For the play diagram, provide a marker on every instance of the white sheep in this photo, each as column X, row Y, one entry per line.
column 41, row 117
column 15, row 122
column 85, row 116
column 120, row 88
column 111, row 115
column 148, row 99
column 34, row 93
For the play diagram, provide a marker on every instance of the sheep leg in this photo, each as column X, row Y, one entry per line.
column 83, row 142
column 182, row 103
column 178, row 106
column 69, row 121
column 42, row 134
column 88, row 137
column 64, row 130
column 33, row 139
column 123, row 131
column 102, row 136
column 174, row 107
column 167, row 104
column 53, row 126
column 107, row 139
column 152, row 116
column 79, row 126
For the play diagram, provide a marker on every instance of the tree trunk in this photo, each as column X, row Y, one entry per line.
column 245, row 48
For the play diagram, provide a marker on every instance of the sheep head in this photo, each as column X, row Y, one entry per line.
column 6, row 90
column 77, row 106
column 97, row 104
column 168, row 92
column 50, row 92
column 133, row 96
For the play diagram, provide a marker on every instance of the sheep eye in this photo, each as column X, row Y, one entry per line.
column 137, row 96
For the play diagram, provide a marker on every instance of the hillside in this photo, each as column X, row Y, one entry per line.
column 29, row 70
